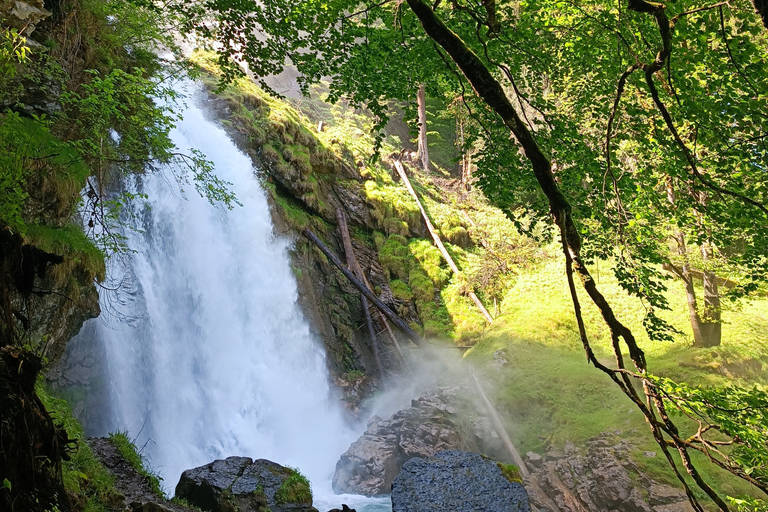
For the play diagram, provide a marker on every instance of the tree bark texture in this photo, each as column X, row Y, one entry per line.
column 421, row 100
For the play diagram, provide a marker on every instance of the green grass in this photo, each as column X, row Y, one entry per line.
column 510, row 472
column 87, row 482
column 131, row 454
column 549, row 394
column 294, row 489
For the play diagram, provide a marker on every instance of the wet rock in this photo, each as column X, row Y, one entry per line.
column 600, row 478
column 429, row 426
column 454, row 480
column 239, row 484
column 343, row 508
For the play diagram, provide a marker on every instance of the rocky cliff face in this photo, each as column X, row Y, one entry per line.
column 23, row 15
column 598, row 478
column 47, row 297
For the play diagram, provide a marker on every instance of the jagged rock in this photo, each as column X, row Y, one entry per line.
column 238, row 484
column 23, row 15
column 32, row 445
column 454, row 480
column 601, row 478
column 343, row 508
column 429, row 426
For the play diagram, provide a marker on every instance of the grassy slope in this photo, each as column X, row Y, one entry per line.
column 549, row 393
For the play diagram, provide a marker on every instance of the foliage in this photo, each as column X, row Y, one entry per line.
column 13, row 51
column 132, row 455
column 87, row 482
column 510, row 472
column 294, row 489
column 737, row 413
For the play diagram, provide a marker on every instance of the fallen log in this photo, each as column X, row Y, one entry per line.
column 412, row 335
column 355, row 267
column 436, row 239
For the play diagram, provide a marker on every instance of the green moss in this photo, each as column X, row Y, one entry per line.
column 71, row 242
column 421, row 285
column 400, row 290
column 395, row 257
column 392, row 201
column 510, row 472
column 395, row 226
column 294, row 489
column 430, row 260
column 36, row 164
column 131, row 454
column 436, row 319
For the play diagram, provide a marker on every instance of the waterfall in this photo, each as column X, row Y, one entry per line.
column 210, row 356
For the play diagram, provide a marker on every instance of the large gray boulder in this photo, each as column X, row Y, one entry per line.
column 239, row 484
column 454, row 480
column 432, row 424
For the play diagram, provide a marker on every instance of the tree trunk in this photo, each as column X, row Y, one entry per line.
column 684, row 272
column 466, row 158
column 412, row 335
column 712, row 326
column 353, row 265
column 421, row 98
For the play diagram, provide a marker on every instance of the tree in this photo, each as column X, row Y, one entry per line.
column 608, row 105
column 421, row 99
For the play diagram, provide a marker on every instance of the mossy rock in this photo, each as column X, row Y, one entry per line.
column 400, row 290
column 395, row 226
column 395, row 257
column 458, row 235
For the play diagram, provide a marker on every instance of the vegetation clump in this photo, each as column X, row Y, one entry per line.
column 131, row 454
column 510, row 472
column 294, row 489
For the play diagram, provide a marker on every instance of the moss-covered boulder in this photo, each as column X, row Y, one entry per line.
column 239, row 484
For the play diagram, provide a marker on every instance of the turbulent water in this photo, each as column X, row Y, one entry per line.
column 210, row 356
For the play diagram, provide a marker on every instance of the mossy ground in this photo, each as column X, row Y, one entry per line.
column 294, row 489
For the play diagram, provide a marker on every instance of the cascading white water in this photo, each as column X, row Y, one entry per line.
column 212, row 356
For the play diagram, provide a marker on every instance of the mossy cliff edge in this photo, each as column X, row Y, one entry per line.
column 317, row 159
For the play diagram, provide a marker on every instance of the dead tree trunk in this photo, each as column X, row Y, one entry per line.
column 466, row 158
column 436, row 239
column 355, row 267
column 421, row 99
column 412, row 335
